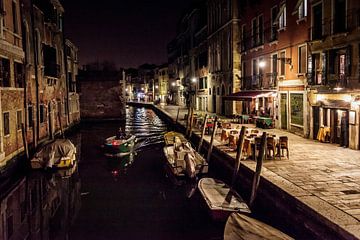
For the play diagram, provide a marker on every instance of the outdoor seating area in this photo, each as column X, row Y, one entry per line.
column 228, row 132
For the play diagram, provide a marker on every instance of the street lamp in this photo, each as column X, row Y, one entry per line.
column 173, row 84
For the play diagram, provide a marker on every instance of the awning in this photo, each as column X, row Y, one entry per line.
column 339, row 104
column 248, row 95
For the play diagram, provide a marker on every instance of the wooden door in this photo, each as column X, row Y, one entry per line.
column 316, row 112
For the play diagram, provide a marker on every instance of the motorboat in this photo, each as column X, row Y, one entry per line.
column 57, row 154
column 242, row 227
column 181, row 158
column 115, row 146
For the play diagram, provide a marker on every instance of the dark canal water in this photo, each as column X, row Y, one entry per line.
column 107, row 198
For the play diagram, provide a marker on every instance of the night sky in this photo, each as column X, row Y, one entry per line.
column 128, row 33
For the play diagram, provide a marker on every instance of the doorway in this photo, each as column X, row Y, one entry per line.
column 283, row 106
column 316, row 112
column 214, row 99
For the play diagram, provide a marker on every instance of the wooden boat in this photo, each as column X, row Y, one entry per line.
column 182, row 159
column 242, row 227
column 59, row 154
column 220, row 198
column 115, row 147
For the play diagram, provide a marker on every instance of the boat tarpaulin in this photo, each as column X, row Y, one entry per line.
column 52, row 152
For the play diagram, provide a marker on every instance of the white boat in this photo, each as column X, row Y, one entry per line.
column 221, row 198
column 183, row 160
column 60, row 153
column 241, row 227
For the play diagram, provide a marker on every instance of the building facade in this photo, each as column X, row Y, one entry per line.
column 333, row 70
column 34, row 87
column 223, row 53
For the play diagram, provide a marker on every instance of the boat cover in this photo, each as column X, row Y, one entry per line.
column 218, row 196
column 51, row 153
column 241, row 227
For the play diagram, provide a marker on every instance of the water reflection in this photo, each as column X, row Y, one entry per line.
column 131, row 197
column 41, row 206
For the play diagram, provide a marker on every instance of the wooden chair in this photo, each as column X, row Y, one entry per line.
column 282, row 145
column 245, row 150
column 256, row 146
column 270, row 146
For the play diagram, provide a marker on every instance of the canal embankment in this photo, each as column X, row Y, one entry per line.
column 298, row 195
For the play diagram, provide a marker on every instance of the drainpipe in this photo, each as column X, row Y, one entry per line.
column 66, row 73
column 36, row 136
column 25, row 65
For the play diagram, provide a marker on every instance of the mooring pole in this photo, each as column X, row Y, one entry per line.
column 212, row 140
column 259, row 161
column 202, row 133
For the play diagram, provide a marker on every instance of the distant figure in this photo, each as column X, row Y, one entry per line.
column 121, row 134
column 344, row 124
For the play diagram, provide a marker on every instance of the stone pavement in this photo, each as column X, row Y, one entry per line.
column 323, row 176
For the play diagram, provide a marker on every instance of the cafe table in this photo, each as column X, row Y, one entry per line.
column 264, row 122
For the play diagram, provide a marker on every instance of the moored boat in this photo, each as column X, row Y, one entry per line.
column 58, row 154
column 181, row 158
column 222, row 199
column 242, row 227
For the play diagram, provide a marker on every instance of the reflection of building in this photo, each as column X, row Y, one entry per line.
column 39, row 208
column 333, row 68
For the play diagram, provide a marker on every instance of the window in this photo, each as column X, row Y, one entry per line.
column 282, row 63
column 274, row 69
column 52, row 69
column 209, row 91
column 302, row 9
column 42, row 113
column 261, row 30
column 6, row 129
column 19, row 75
column 254, row 30
column 274, row 12
column 243, row 37
column 342, row 67
column 339, row 22
column 15, row 17
column 302, row 59
column 254, row 72
column 4, row 72
column 19, row 120
column 30, row 116
column 282, row 19
column 317, row 22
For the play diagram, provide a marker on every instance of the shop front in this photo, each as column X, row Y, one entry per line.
column 336, row 114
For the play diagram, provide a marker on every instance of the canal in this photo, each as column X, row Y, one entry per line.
column 108, row 198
